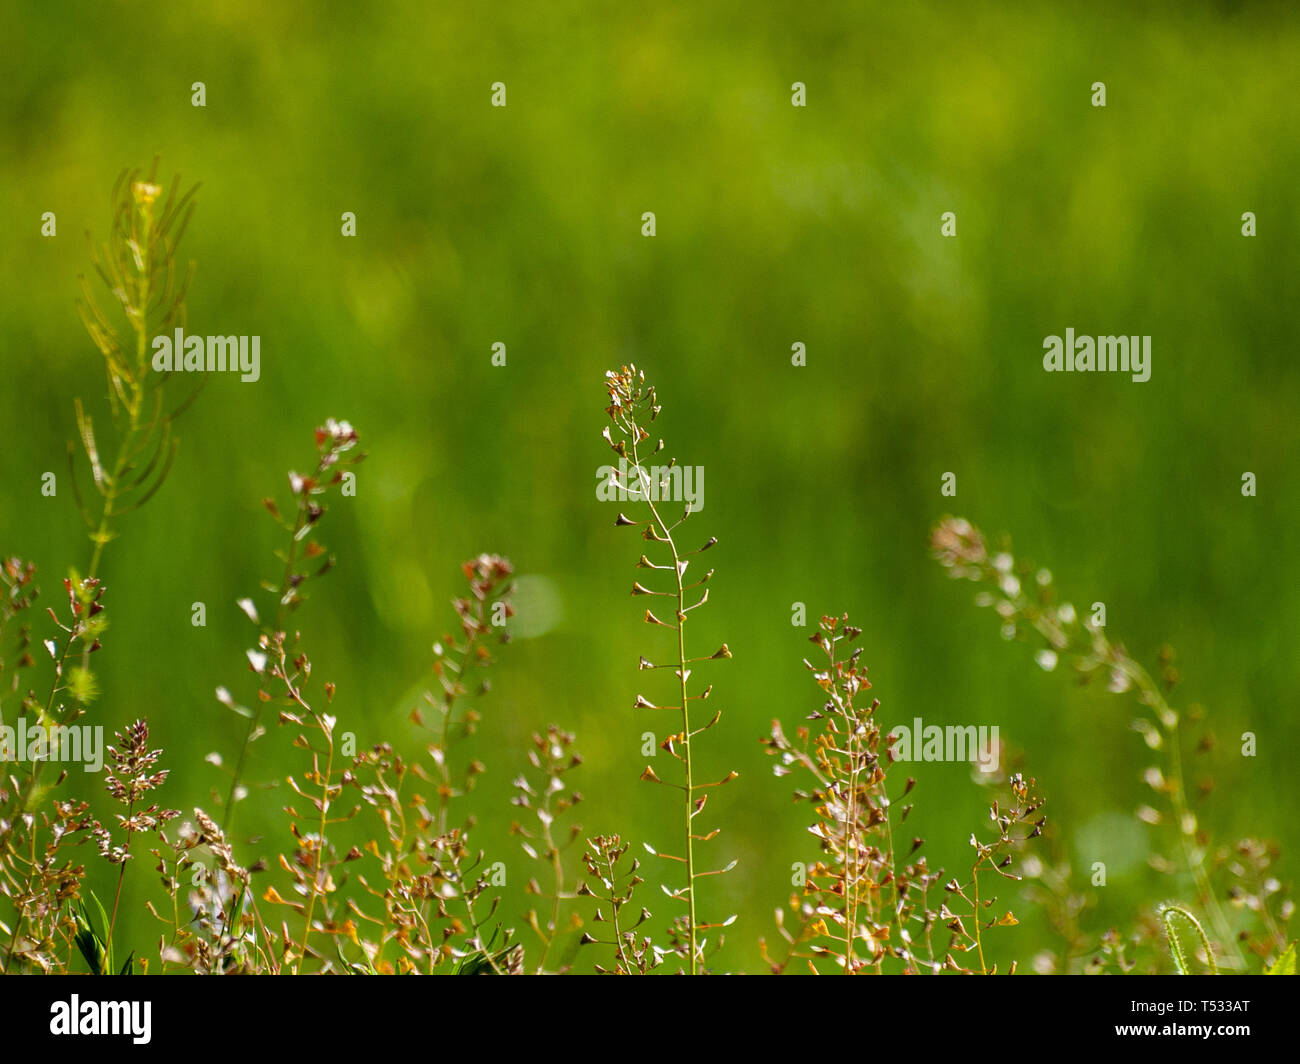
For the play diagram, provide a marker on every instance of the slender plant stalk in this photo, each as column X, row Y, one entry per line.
column 631, row 399
column 284, row 600
column 320, row 839
column 121, row 873
column 1181, row 961
column 688, row 791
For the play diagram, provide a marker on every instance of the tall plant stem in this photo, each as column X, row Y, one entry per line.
column 320, row 842
column 975, row 916
column 121, row 877
column 686, row 718
column 851, row 840
column 895, row 917
column 140, row 325
column 281, row 615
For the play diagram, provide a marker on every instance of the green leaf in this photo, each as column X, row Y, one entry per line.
column 87, row 941
column 486, row 960
column 106, row 946
column 128, row 968
column 475, row 964
column 1285, row 964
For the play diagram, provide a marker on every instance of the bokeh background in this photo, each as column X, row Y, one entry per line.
column 775, row 225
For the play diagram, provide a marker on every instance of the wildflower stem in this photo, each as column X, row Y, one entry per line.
column 320, row 841
column 614, row 908
column 121, row 877
column 558, row 869
column 138, row 315
column 281, row 612
column 895, row 915
column 444, row 739
column 689, row 792
column 104, row 533
column 34, row 777
column 851, row 840
column 1175, row 946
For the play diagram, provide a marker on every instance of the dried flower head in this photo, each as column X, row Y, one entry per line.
column 128, row 780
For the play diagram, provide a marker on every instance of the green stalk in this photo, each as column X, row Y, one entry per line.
column 686, row 717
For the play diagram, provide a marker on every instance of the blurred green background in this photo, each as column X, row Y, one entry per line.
column 775, row 225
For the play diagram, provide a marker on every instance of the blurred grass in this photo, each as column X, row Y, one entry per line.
column 775, row 224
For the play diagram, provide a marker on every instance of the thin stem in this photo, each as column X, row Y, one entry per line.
column 444, row 792
column 121, row 877
column 852, row 851
column 689, row 791
column 1175, row 947
column 281, row 612
column 140, row 324
column 790, row 953
column 458, row 667
column 896, row 916
column 34, row 777
column 475, row 924
column 614, row 907
column 320, row 843
column 104, row 532
column 558, row 869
